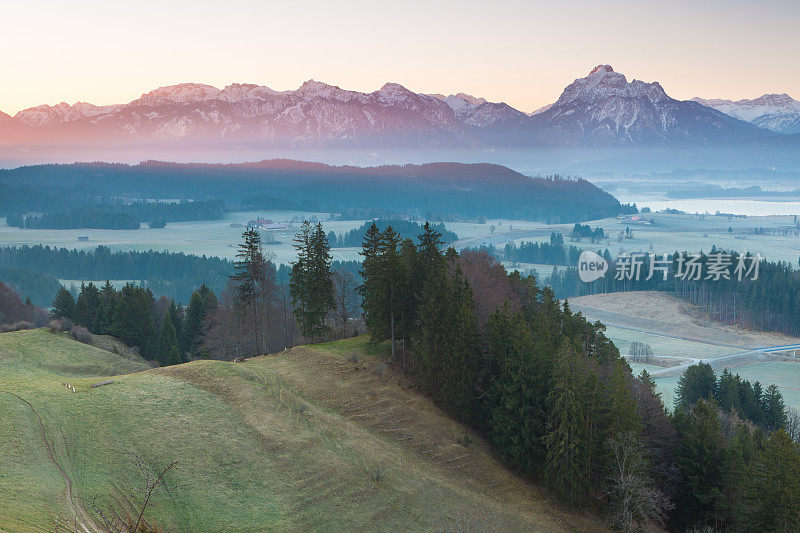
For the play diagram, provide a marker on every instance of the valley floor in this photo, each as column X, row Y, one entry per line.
column 681, row 334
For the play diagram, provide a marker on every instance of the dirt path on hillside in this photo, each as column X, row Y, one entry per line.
column 84, row 522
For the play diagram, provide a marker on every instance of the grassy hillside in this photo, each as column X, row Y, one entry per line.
column 322, row 437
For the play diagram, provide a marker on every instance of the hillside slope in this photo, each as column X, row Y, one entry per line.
column 317, row 438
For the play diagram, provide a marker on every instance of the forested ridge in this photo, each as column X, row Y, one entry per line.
column 559, row 405
column 441, row 188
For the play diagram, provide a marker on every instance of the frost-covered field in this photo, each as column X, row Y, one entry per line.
column 218, row 238
column 213, row 237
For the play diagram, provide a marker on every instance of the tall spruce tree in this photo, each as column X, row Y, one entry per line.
column 105, row 314
column 518, row 384
column 87, row 308
column 167, row 351
column 569, row 448
column 700, row 462
column 774, row 409
column 773, row 486
column 132, row 319
column 697, row 382
column 391, row 280
column 63, row 305
column 371, row 289
column 202, row 302
column 311, row 281
column 247, row 268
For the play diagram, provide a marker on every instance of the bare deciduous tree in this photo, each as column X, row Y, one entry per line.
column 346, row 298
column 633, row 499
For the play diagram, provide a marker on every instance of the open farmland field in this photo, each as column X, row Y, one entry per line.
column 317, row 438
column 676, row 329
column 218, row 238
column 210, row 237
column 668, row 233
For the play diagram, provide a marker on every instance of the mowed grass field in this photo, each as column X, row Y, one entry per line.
column 317, row 438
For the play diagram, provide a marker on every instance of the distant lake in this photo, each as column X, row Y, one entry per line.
column 736, row 206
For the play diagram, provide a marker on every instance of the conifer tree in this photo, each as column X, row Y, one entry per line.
column 391, row 280
column 774, row 486
column 568, row 461
column 517, row 391
column 167, row 351
column 132, row 320
column 87, row 308
column 774, row 409
column 622, row 407
column 697, row 382
column 248, row 267
column 63, row 305
column 371, row 289
column 700, row 461
column 105, row 313
column 311, row 281
column 202, row 302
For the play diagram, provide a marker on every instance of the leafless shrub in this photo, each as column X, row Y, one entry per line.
column 354, row 357
column 81, row 334
column 16, row 326
column 59, row 325
column 128, row 512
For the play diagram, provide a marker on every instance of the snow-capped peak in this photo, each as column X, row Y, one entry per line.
column 775, row 112
column 183, row 93
column 237, row 92
column 44, row 115
column 602, row 82
column 601, row 70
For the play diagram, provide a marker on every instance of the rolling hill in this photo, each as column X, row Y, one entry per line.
column 321, row 437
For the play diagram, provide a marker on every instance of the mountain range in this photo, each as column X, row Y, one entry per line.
column 602, row 109
column 775, row 112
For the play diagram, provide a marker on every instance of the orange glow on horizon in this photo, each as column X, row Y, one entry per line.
column 522, row 53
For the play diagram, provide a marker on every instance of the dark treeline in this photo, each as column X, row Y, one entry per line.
column 734, row 395
column 405, row 228
column 268, row 202
column 121, row 215
column 771, row 302
column 172, row 274
column 78, row 219
column 159, row 329
column 736, row 452
column 37, row 287
column 498, row 352
column 448, row 189
column 552, row 253
column 582, row 231
column 169, row 211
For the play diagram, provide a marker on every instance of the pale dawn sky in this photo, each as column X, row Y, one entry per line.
column 520, row 52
